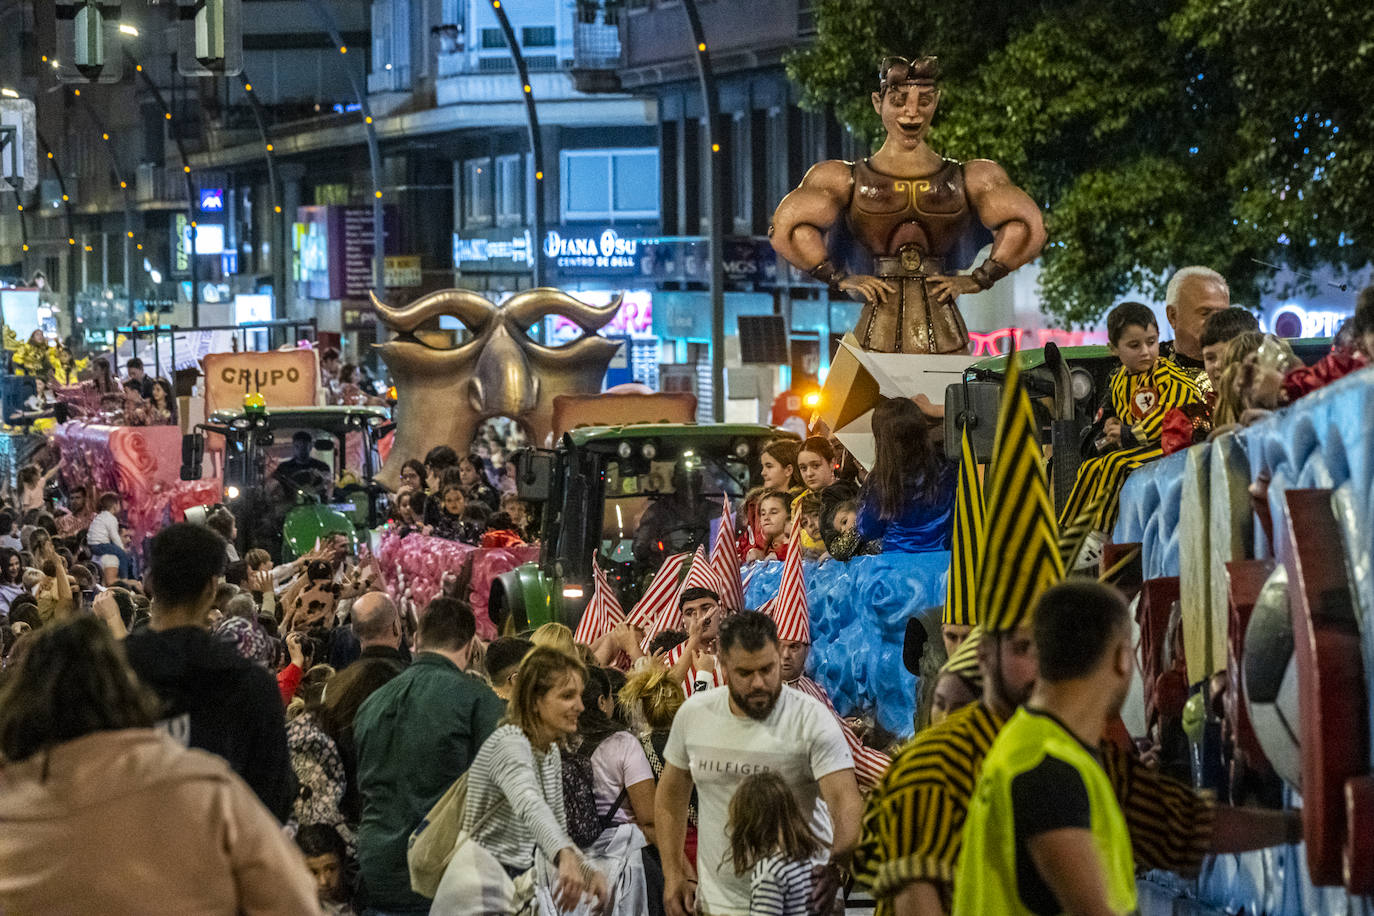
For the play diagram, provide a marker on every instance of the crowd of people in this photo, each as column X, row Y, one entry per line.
column 65, row 386
column 286, row 738
column 453, row 497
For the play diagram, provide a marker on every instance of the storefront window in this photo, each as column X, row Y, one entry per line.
column 477, row 192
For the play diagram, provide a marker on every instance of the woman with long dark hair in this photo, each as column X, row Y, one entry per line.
column 162, row 406
column 91, row 793
column 622, row 778
column 622, row 783
column 102, row 377
column 414, row 475
column 907, row 501
column 11, row 577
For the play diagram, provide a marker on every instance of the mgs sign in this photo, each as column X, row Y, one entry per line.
column 608, row 251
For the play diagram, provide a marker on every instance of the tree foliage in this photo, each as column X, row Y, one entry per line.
column 1156, row 133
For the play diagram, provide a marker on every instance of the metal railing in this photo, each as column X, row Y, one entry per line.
column 291, row 329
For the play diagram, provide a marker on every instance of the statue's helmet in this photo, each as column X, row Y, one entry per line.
column 902, row 71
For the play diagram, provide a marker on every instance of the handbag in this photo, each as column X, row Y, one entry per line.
column 436, row 839
column 475, row 883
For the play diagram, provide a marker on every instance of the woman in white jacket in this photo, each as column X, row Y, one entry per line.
column 101, row 814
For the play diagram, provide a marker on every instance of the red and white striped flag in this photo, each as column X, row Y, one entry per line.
column 790, row 610
column 725, row 562
column 669, row 616
column 662, row 591
column 603, row 612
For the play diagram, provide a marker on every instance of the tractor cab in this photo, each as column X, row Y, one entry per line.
column 631, row 495
column 293, row 475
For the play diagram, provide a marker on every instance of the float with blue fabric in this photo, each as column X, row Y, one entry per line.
column 859, row 611
column 1292, row 495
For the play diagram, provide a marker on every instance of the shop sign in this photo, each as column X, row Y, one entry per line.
column 336, row 250
column 599, row 253
column 1292, row 320
column 211, row 200
column 403, row 271
column 181, row 255
column 285, row 378
column 359, row 233
column 493, row 253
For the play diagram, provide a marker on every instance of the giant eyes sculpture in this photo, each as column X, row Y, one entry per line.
column 444, row 395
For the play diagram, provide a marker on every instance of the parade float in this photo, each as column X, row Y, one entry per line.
column 1257, row 591
column 446, row 389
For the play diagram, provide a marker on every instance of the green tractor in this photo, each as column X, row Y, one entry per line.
column 331, row 491
column 631, row 494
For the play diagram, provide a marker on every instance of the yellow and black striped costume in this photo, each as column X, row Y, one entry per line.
column 913, row 820
column 1102, row 477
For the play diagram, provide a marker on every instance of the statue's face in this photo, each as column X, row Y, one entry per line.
column 907, row 110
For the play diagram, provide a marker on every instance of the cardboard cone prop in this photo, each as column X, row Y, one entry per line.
column 790, row 611
column 725, row 562
column 603, row 612
column 662, row 589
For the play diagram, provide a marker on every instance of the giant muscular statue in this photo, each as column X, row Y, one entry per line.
column 909, row 207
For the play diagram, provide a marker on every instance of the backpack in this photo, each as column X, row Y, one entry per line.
column 579, row 801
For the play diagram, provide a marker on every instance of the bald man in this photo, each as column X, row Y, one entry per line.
column 377, row 624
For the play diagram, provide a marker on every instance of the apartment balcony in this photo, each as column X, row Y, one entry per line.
column 596, row 56
column 159, row 186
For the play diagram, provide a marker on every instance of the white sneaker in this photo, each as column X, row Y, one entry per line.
column 1090, row 554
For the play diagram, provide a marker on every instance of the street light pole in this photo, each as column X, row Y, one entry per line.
column 373, row 152
column 87, row 107
column 44, row 148
column 190, row 187
column 536, row 143
column 715, row 193
column 274, row 186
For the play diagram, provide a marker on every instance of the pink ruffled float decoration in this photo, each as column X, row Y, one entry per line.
column 414, row 567
column 140, row 463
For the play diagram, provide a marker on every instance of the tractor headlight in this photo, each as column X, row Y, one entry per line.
column 1081, row 383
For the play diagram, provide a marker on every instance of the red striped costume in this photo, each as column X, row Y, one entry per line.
column 869, row 764
column 712, row 678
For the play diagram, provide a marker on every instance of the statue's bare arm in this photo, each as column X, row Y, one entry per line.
column 808, row 212
column 1018, row 232
column 1017, row 226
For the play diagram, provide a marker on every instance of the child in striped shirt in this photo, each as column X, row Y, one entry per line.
column 770, row 839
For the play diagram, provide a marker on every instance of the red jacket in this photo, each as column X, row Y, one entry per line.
column 1333, row 366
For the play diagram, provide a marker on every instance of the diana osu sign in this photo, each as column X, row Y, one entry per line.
column 284, row 378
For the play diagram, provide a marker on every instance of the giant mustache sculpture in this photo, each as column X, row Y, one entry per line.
column 445, row 394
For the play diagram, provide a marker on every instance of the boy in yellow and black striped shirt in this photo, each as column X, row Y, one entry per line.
column 1128, row 431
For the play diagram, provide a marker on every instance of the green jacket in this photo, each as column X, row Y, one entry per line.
column 415, row 736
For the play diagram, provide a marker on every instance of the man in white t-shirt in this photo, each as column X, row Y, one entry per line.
column 719, row 737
